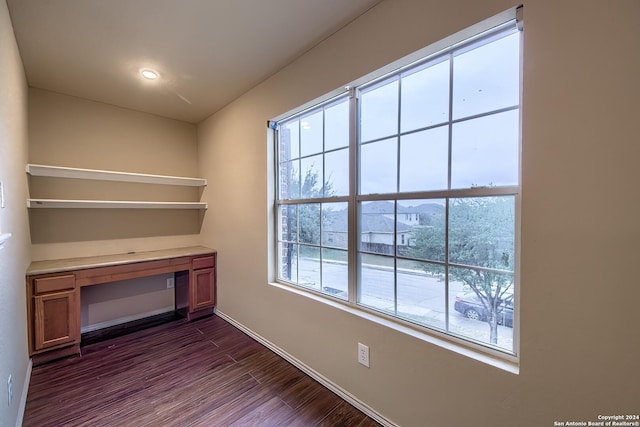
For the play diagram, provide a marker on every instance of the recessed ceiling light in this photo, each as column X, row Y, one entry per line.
column 149, row 74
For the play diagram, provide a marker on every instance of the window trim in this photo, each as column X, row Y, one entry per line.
column 429, row 55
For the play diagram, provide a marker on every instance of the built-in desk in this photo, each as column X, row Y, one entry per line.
column 53, row 291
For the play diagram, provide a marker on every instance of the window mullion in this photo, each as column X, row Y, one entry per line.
column 447, row 200
column 320, row 249
column 395, row 218
column 297, row 244
column 352, row 220
column 395, row 259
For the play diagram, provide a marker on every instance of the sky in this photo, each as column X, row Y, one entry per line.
column 395, row 112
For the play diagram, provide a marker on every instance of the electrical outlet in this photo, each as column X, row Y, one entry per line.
column 9, row 390
column 363, row 354
column 170, row 283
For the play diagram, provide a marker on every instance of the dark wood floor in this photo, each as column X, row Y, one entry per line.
column 203, row 373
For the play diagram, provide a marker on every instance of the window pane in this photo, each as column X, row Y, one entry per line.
column 334, row 225
column 481, row 232
column 425, row 97
column 312, row 177
column 423, row 223
column 288, row 259
column 290, row 180
column 290, row 140
column 487, row 78
column 421, row 293
column 288, row 223
column 424, row 160
column 376, row 282
column 379, row 167
column 379, row 112
column 485, row 151
column 336, row 126
column 309, row 223
column 336, row 165
column 309, row 267
column 438, row 129
column 335, row 275
column 377, row 227
column 478, row 292
column 311, row 134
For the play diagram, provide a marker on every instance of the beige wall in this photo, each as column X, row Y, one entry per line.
column 69, row 131
column 113, row 303
column 14, row 256
column 580, row 232
column 73, row 132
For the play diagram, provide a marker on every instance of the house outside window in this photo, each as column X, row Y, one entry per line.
column 401, row 197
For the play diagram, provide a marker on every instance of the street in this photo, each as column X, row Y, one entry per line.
column 420, row 296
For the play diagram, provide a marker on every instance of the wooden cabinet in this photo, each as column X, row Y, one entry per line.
column 53, row 291
column 203, row 289
column 56, row 319
column 56, row 306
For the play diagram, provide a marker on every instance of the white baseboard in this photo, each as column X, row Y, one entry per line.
column 121, row 320
column 25, row 391
column 310, row 371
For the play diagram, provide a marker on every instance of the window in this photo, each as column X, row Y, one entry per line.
column 313, row 153
column 402, row 195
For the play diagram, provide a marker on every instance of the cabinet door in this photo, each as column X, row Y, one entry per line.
column 203, row 289
column 56, row 319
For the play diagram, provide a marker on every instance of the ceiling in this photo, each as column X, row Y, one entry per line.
column 207, row 52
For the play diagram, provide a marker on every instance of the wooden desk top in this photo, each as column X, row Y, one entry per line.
column 68, row 264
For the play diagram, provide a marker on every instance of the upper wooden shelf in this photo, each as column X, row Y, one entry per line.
column 103, row 175
column 113, row 204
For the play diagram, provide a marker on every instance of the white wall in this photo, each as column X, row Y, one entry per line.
column 14, row 256
column 580, row 228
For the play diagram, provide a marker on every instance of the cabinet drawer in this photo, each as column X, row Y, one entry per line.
column 55, row 283
column 205, row 262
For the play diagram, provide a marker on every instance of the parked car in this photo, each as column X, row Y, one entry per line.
column 471, row 307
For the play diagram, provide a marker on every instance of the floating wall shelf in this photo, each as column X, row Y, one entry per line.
column 103, row 175
column 111, row 204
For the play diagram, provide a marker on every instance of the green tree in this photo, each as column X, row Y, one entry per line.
column 306, row 225
column 481, row 236
column 309, row 214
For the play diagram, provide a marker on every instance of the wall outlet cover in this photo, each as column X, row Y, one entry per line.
column 363, row 354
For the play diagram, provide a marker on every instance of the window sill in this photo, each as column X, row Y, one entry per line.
column 485, row 355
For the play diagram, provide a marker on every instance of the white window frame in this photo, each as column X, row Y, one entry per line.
column 510, row 18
